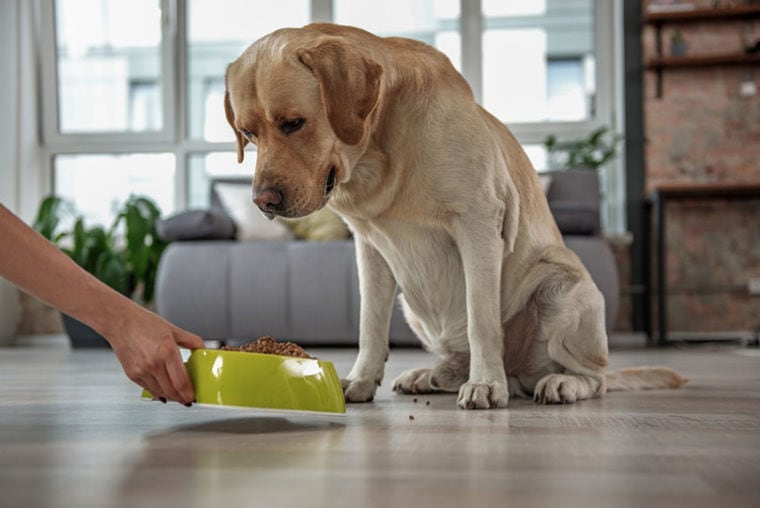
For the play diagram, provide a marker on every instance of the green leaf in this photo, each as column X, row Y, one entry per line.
column 48, row 216
column 112, row 270
column 95, row 249
column 95, row 243
column 138, row 230
column 591, row 152
column 78, row 243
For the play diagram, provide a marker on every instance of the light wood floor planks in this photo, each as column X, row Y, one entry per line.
column 73, row 432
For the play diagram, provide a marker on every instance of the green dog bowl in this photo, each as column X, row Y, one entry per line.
column 264, row 381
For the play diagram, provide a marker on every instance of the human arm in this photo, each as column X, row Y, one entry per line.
column 144, row 343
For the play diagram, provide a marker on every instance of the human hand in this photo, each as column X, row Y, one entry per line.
column 147, row 347
column 144, row 343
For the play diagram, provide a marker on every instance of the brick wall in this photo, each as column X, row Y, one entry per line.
column 704, row 130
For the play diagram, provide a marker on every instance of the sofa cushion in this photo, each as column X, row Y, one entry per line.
column 196, row 225
column 322, row 226
column 597, row 256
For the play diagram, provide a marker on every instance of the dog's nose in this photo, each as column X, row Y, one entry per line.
column 268, row 200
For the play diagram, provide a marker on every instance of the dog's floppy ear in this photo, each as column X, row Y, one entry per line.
column 349, row 83
column 230, row 114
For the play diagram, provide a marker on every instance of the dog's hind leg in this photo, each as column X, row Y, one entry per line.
column 577, row 341
column 568, row 361
column 565, row 388
column 447, row 376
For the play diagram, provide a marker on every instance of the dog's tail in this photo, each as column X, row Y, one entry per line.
column 643, row 378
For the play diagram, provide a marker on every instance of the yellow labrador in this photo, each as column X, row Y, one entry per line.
column 443, row 203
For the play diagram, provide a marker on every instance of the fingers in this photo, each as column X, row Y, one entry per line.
column 179, row 379
column 149, row 352
column 158, row 382
column 176, row 373
column 171, row 375
column 160, row 370
column 151, row 384
column 188, row 340
column 162, row 387
column 167, row 386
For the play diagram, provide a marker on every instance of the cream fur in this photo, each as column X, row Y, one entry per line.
column 443, row 203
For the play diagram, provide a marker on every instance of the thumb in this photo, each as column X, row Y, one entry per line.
column 188, row 340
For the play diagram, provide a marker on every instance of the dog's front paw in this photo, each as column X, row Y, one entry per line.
column 359, row 390
column 483, row 396
column 413, row 381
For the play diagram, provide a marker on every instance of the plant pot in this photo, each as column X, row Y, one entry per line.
column 82, row 336
column 678, row 48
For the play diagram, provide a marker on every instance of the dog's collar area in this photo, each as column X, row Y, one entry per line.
column 330, row 182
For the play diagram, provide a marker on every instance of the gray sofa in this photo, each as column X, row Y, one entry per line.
column 308, row 292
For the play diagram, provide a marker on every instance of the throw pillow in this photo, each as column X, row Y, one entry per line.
column 196, row 225
column 250, row 222
column 322, row 225
column 546, row 182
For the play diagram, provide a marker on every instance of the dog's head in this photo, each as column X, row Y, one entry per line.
column 303, row 98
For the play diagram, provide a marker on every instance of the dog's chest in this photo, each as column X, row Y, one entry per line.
column 427, row 267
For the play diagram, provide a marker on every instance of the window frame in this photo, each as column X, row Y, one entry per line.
column 49, row 87
column 174, row 135
column 608, row 107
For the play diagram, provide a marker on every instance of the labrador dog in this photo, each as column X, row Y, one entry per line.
column 443, row 204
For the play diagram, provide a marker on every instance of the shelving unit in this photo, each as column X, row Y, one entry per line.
column 739, row 11
column 703, row 61
column 659, row 200
column 659, row 19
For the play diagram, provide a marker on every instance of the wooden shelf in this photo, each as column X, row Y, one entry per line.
column 715, row 190
column 741, row 11
column 744, row 13
column 703, row 60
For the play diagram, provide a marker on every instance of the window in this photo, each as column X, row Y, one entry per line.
column 108, row 57
column 98, row 192
column 534, row 57
column 121, row 111
column 217, row 32
column 569, row 88
column 435, row 22
column 203, row 168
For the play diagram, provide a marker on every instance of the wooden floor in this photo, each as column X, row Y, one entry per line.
column 73, row 433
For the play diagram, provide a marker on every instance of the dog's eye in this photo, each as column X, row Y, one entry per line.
column 247, row 133
column 291, row 126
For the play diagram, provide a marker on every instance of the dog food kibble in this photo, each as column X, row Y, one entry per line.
column 411, row 417
column 427, row 402
column 267, row 345
column 414, row 400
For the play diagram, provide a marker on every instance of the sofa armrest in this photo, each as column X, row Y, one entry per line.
column 573, row 197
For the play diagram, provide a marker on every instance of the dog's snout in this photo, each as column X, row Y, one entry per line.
column 268, row 200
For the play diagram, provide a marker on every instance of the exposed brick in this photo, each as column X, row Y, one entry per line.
column 703, row 130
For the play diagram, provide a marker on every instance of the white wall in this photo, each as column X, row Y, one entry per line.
column 9, row 11
column 20, row 175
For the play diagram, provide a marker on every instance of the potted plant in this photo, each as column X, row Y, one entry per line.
column 125, row 256
column 591, row 152
column 677, row 44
